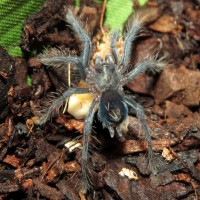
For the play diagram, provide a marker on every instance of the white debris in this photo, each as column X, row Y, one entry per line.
column 128, row 173
column 72, row 145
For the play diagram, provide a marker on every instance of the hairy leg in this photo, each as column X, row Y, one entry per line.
column 134, row 27
column 85, row 38
column 152, row 64
column 140, row 114
column 56, row 58
column 58, row 102
column 86, row 133
column 113, row 45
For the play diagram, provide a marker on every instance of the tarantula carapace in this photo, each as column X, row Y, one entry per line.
column 105, row 78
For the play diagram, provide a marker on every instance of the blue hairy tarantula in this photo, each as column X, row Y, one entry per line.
column 105, row 78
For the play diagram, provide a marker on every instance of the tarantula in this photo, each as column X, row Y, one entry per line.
column 105, row 78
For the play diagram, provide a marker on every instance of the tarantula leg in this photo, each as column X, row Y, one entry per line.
column 85, row 38
column 86, row 133
column 59, row 58
column 152, row 64
column 147, row 131
column 58, row 102
column 131, row 35
column 113, row 45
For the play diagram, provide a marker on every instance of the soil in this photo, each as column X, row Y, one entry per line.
column 37, row 162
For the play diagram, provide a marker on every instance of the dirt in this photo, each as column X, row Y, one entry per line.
column 43, row 162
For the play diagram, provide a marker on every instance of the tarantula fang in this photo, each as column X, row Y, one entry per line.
column 105, row 78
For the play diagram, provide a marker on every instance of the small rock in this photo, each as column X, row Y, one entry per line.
column 181, row 83
column 164, row 24
column 174, row 111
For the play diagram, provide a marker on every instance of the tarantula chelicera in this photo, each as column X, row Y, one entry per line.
column 105, row 78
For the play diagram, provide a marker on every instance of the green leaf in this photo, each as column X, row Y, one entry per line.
column 117, row 12
column 29, row 80
column 142, row 2
column 12, row 16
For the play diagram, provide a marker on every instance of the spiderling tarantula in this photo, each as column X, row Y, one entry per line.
column 105, row 79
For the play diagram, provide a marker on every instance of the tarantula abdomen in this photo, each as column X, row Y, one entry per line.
column 112, row 109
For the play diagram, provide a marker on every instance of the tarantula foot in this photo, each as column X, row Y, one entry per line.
column 155, row 164
column 84, row 183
